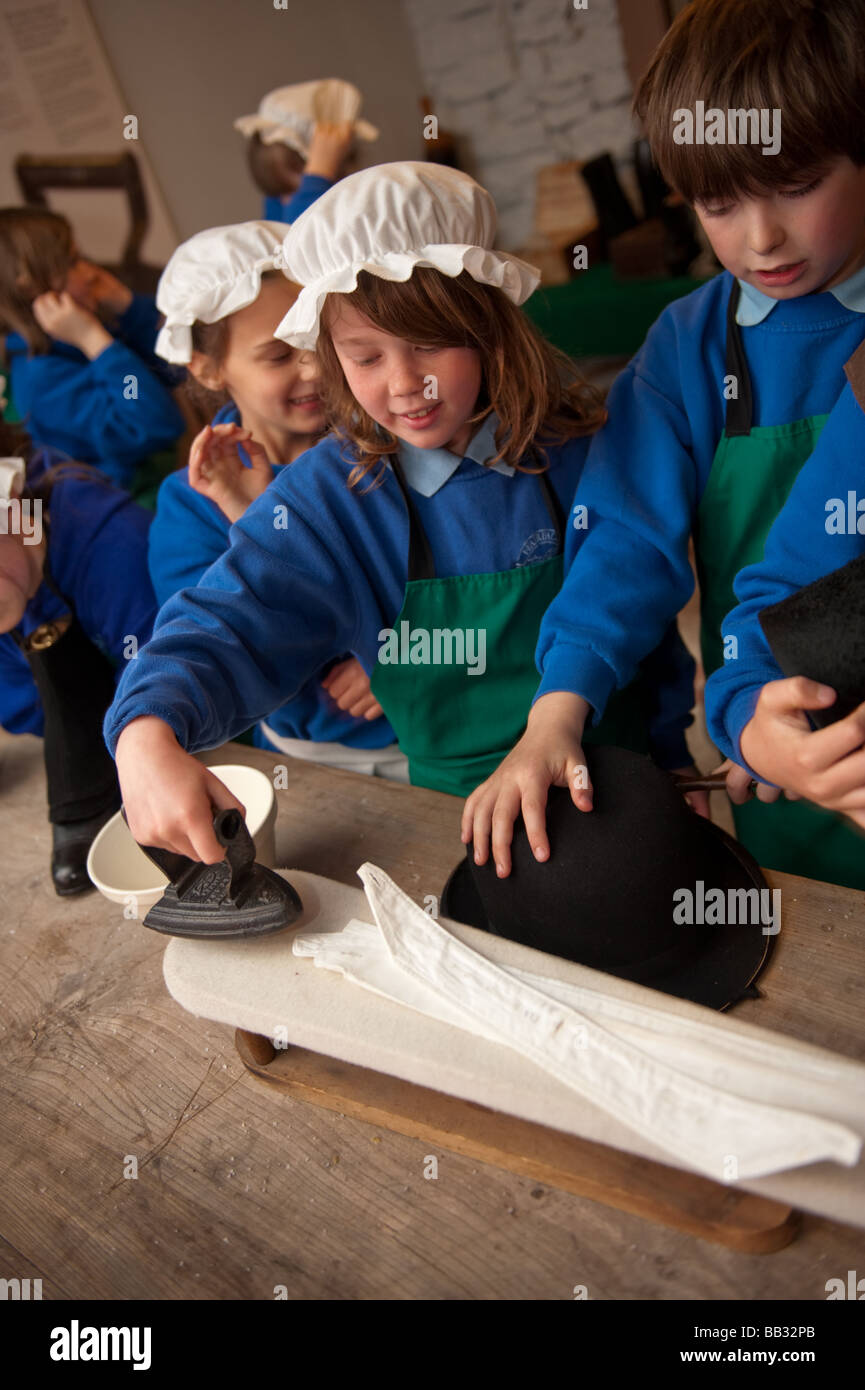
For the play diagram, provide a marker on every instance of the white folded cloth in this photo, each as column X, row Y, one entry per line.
column 690, row 1087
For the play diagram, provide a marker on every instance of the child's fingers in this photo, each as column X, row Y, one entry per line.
column 767, row 793
column 501, row 822
column 578, row 781
column 534, row 809
column 477, row 821
column 842, row 787
column 373, row 710
column 699, row 803
column 795, row 693
column 257, row 455
column 824, row 747
column 197, row 451
column 738, row 781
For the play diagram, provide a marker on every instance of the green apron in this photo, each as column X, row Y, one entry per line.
column 455, row 727
column 752, row 473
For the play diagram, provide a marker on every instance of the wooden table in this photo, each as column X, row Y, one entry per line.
column 240, row 1189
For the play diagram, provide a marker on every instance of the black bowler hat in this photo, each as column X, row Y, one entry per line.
column 605, row 897
column 819, row 632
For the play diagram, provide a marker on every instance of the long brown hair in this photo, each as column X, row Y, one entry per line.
column 535, row 390
column 803, row 59
column 37, row 251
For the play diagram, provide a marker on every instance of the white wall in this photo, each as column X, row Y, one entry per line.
column 524, row 83
column 188, row 67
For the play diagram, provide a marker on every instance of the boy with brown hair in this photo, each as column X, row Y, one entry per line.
column 715, row 416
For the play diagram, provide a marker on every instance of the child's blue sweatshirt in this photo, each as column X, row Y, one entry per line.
column 188, row 533
column 86, row 408
column 289, row 209
column 629, row 573
column 97, row 557
column 316, row 569
column 815, row 533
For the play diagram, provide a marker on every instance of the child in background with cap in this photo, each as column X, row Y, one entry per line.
column 222, row 296
column 301, row 140
column 756, row 715
column 83, row 374
column 713, row 419
column 425, row 535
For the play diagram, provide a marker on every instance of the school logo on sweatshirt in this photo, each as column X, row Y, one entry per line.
column 541, row 545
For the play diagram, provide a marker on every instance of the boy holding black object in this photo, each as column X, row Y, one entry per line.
column 754, row 713
column 712, row 421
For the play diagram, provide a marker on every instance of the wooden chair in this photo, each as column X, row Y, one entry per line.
column 38, row 173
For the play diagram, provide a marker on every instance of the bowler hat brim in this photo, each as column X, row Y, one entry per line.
column 726, row 959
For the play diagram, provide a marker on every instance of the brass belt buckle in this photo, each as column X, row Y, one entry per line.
column 47, row 634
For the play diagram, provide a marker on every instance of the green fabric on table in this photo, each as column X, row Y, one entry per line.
column 598, row 315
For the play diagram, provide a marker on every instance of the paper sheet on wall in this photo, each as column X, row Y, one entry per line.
column 58, row 96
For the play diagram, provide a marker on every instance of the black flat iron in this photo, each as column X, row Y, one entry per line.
column 219, row 902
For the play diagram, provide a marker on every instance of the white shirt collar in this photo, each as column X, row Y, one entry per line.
column 754, row 306
column 426, row 470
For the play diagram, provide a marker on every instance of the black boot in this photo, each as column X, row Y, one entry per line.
column 70, row 845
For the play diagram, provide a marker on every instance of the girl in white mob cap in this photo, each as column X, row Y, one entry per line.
column 222, row 295
column 425, row 534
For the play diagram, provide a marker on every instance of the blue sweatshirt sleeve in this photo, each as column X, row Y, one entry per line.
column 85, row 408
column 260, row 623
column 627, row 568
column 187, row 534
column 92, row 525
column 311, row 187
column 805, row 543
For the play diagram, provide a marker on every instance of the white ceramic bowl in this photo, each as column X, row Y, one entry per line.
column 122, row 871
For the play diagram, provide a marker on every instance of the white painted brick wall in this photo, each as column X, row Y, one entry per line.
column 524, row 83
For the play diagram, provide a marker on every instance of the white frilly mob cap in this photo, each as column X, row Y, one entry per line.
column 388, row 219
column 290, row 113
column 12, row 474
column 211, row 275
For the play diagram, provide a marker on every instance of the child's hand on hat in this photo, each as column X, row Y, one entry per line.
column 348, row 684
column 217, row 470
column 827, row 766
column 329, row 148
column 550, row 753
column 62, row 317
column 168, row 795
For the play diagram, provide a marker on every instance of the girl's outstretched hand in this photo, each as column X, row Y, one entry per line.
column 170, row 798
column 217, row 470
column 825, row 765
column 348, row 684
column 550, row 753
